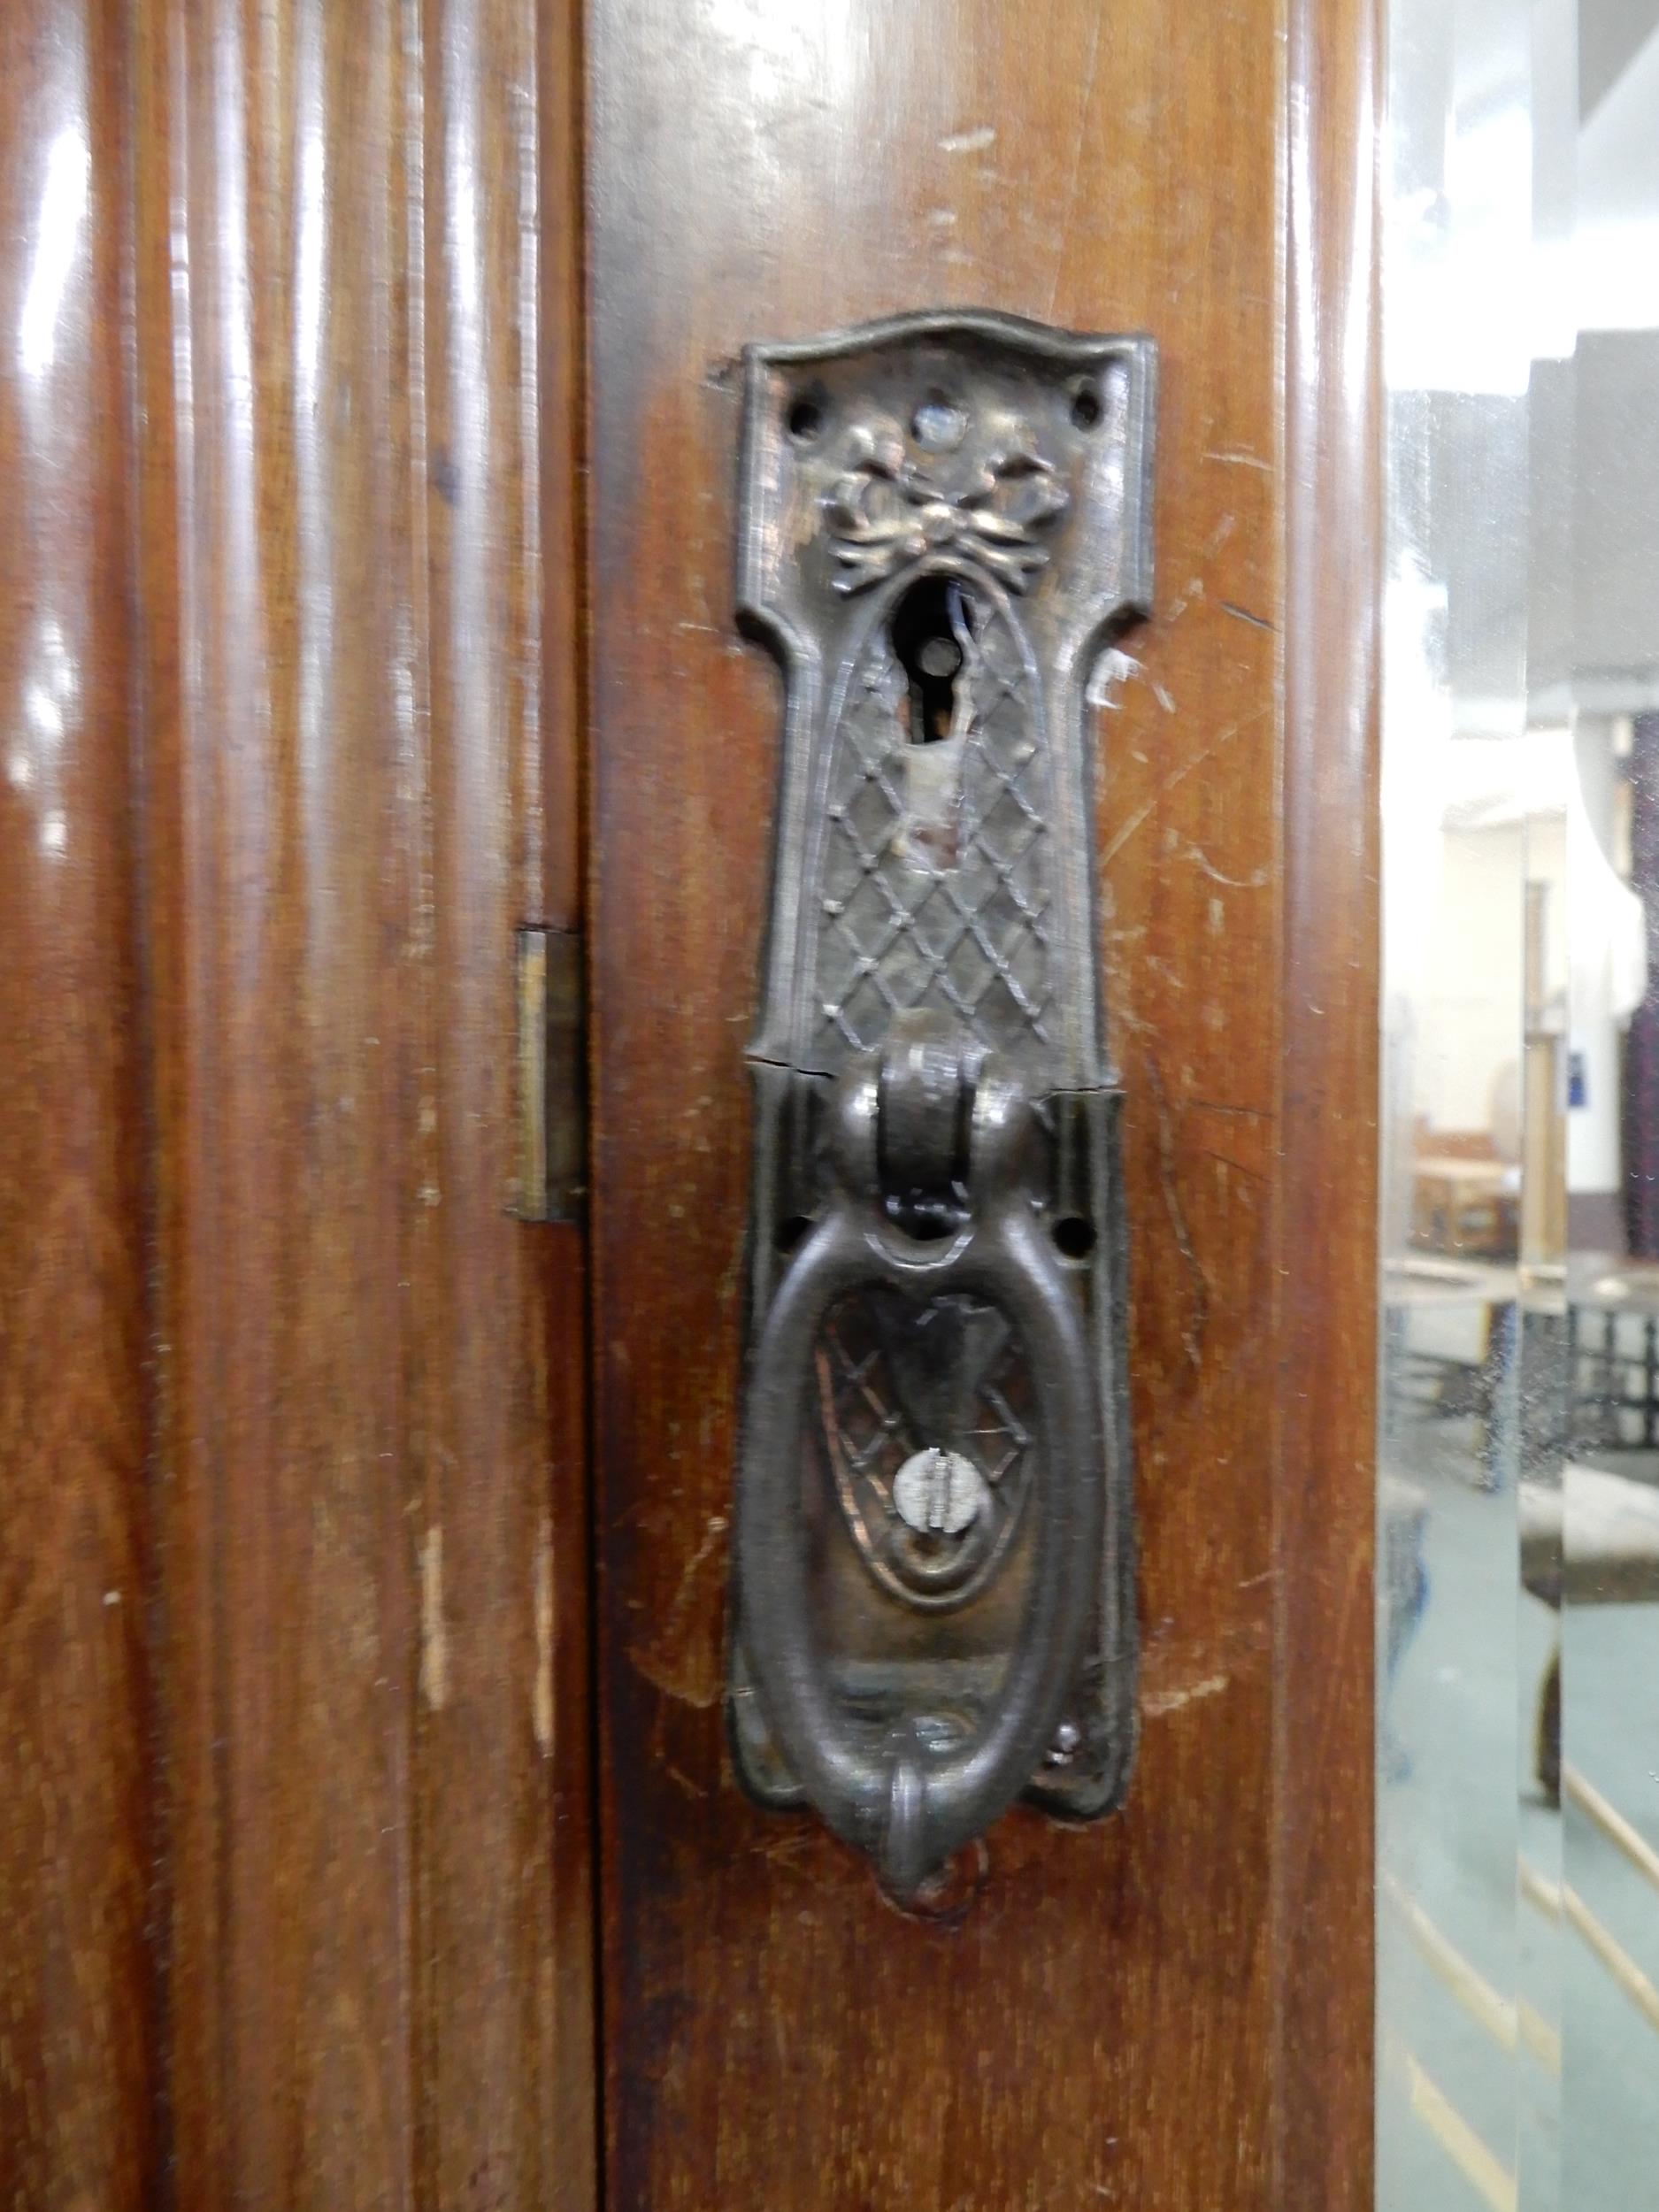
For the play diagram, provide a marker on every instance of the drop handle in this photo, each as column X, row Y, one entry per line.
column 905, row 1792
column 944, row 519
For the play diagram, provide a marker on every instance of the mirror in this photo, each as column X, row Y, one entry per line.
column 1518, row 1422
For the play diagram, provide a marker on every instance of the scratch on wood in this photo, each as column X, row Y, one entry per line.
column 1178, row 1670
column 1186, row 849
column 1257, row 621
column 712, row 1533
column 1063, row 228
column 1198, row 1307
column 1115, row 844
column 1156, row 1703
column 1195, row 589
column 1115, row 667
column 542, row 1697
column 435, row 1640
column 1234, row 1167
column 681, row 1662
column 1235, row 459
column 785, row 1848
column 973, row 141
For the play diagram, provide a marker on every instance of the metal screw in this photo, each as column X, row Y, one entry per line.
column 1063, row 1750
column 938, row 426
column 939, row 1493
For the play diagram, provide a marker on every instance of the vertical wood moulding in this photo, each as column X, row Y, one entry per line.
column 505, row 1912
column 569, row 2070
column 371, row 1481
column 286, row 1583
column 75, row 2068
column 563, row 303
column 1325, row 1279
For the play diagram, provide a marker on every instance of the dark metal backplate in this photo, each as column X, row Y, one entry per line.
column 1013, row 463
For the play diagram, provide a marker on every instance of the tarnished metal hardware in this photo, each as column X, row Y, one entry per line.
column 945, row 519
column 552, row 1178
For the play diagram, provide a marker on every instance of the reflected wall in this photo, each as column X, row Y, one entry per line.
column 1518, row 1452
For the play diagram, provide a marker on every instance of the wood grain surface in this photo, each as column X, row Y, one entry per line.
column 75, row 2094
column 305, row 535
column 359, row 780
column 1326, row 1272
column 1109, row 2023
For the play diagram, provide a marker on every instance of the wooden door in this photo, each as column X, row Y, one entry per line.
column 1169, row 2009
column 369, row 402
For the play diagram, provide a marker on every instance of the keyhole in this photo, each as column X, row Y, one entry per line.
column 934, row 635
column 932, row 626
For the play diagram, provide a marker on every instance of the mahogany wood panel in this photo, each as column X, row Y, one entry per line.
column 75, row 2130
column 1108, row 2024
column 360, row 778
column 1323, row 1645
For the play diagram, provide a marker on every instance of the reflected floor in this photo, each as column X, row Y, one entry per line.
column 1486, row 1999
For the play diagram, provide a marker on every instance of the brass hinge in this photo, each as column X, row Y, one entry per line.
column 552, row 1076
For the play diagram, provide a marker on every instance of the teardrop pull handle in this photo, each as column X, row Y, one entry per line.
column 904, row 1791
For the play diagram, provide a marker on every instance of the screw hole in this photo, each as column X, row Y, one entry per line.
column 1086, row 406
column 939, row 425
column 805, row 418
column 794, row 1230
column 1074, row 1236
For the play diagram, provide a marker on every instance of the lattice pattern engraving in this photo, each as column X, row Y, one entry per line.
column 895, row 1380
column 897, row 930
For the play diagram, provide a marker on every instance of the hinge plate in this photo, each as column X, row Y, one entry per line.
column 552, row 1176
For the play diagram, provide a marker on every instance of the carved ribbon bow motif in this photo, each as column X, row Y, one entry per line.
column 885, row 513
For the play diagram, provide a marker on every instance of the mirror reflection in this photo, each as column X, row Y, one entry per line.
column 1519, row 1447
